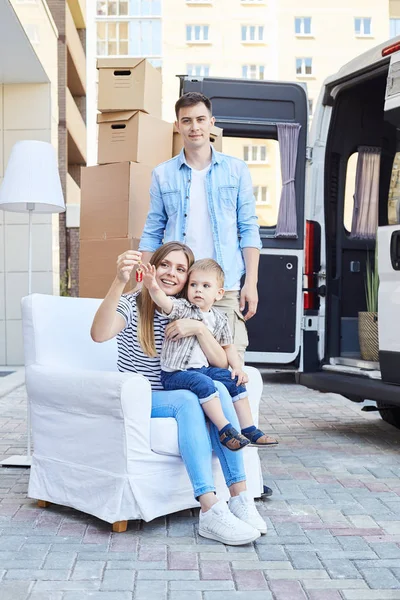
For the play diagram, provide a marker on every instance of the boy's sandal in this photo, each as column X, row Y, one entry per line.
column 233, row 440
column 259, row 439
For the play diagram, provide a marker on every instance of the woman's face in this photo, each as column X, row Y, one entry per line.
column 171, row 273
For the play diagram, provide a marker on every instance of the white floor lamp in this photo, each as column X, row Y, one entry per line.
column 31, row 184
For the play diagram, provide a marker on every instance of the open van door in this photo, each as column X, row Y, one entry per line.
column 389, row 303
column 248, row 112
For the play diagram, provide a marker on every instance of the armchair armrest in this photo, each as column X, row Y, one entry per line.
column 88, row 417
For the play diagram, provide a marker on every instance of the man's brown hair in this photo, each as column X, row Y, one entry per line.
column 191, row 99
column 208, row 265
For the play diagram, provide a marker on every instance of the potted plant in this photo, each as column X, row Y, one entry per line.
column 368, row 320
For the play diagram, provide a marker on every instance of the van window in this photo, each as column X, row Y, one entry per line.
column 349, row 191
column 394, row 193
column 262, row 158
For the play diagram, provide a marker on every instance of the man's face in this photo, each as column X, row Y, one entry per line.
column 194, row 124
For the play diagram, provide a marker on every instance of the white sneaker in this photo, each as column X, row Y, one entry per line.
column 243, row 508
column 219, row 524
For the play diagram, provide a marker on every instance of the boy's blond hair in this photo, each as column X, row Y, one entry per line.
column 208, row 265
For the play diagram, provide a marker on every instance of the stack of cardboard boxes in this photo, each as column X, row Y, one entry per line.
column 115, row 193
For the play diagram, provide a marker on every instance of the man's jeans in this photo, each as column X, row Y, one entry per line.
column 195, row 442
column 200, row 382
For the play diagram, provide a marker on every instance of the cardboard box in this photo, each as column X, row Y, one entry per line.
column 115, row 200
column 98, row 265
column 133, row 136
column 215, row 139
column 129, row 84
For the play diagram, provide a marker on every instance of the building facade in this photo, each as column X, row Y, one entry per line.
column 260, row 39
column 41, row 95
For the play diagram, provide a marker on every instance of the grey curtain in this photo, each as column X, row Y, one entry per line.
column 364, row 223
column 288, row 138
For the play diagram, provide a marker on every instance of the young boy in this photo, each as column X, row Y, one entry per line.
column 185, row 366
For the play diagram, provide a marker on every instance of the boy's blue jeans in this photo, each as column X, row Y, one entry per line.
column 195, row 442
column 200, row 382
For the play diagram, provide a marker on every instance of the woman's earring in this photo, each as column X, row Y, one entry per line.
column 139, row 274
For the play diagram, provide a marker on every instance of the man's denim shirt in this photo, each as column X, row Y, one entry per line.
column 231, row 206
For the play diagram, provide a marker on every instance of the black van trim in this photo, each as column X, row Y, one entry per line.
column 351, row 386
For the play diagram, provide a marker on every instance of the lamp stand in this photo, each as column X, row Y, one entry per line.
column 18, row 460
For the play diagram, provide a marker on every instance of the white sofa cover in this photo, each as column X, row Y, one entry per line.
column 95, row 447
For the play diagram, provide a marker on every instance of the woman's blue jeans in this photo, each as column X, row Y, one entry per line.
column 195, row 442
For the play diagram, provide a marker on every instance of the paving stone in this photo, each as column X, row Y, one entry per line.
column 304, row 560
column 380, row 578
column 250, row 580
column 234, row 595
column 341, row 569
column 82, row 595
column 15, row 590
column 151, row 590
column 88, row 569
column 121, row 580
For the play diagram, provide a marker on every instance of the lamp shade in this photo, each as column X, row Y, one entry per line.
column 32, row 178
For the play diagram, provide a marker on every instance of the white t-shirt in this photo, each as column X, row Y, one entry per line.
column 198, row 358
column 199, row 235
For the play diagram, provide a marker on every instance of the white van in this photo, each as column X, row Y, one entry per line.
column 312, row 285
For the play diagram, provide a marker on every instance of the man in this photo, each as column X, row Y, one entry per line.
column 205, row 199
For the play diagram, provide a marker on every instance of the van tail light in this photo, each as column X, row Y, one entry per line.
column 391, row 49
column 312, row 265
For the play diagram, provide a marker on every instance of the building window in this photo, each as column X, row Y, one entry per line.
column 394, row 27
column 253, row 33
column 134, row 38
column 302, row 25
column 197, row 33
column 124, row 8
column 255, row 154
column 198, row 70
column 362, row 26
column 303, row 67
column 260, row 193
column 253, row 72
column 112, row 8
column 112, row 38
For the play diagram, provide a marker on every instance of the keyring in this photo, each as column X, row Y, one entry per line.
column 139, row 273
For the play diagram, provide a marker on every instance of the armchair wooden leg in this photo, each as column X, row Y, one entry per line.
column 43, row 503
column 120, row 526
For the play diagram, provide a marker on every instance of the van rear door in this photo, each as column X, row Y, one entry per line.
column 248, row 111
column 389, row 303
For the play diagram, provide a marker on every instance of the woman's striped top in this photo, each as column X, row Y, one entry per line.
column 130, row 354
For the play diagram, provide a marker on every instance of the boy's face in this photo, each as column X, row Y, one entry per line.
column 203, row 289
column 194, row 124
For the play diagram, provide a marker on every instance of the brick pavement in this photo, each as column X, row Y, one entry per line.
column 334, row 521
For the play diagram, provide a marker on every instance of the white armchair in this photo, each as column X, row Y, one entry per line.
column 96, row 449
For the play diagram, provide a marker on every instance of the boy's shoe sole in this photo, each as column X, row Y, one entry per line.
column 217, row 538
column 255, row 445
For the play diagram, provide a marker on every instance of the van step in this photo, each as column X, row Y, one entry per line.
column 353, row 371
column 355, row 362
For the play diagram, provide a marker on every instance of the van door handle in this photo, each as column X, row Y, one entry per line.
column 395, row 250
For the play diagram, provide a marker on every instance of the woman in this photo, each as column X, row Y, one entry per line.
column 140, row 330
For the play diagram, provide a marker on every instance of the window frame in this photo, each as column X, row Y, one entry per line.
column 258, row 196
column 250, row 151
column 303, row 72
column 201, row 40
column 247, row 30
column 303, row 34
column 257, row 67
column 203, row 67
column 394, row 20
column 362, row 34
column 108, row 40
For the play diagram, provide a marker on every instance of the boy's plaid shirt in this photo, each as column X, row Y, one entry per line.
column 175, row 355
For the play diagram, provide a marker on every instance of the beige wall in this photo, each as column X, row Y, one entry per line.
column 27, row 111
